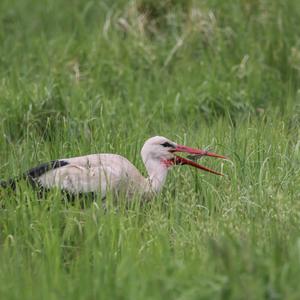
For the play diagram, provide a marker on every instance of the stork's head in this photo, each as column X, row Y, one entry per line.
column 162, row 150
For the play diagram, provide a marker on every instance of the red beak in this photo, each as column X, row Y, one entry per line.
column 195, row 153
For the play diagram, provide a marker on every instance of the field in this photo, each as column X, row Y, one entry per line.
column 79, row 77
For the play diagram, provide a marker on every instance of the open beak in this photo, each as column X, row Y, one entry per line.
column 177, row 160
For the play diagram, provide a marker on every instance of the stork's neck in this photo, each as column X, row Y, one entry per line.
column 157, row 174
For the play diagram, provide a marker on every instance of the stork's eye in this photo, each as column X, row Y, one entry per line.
column 167, row 144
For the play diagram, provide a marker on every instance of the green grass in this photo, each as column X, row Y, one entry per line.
column 83, row 77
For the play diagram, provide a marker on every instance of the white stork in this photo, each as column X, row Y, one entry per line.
column 100, row 173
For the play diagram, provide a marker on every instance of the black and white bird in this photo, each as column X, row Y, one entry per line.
column 100, row 173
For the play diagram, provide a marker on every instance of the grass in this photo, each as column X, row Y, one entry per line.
column 102, row 76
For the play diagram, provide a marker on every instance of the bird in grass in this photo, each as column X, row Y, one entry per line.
column 100, row 173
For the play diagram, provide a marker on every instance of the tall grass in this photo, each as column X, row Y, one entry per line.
column 102, row 76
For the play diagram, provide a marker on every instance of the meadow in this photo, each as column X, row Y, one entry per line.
column 79, row 77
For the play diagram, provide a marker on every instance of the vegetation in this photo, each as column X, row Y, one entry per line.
column 80, row 77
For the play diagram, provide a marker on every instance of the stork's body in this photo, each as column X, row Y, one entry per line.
column 100, row 173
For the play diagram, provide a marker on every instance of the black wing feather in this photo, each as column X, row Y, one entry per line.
column 33, row 174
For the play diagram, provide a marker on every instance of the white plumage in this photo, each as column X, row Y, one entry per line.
column 95, row 173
